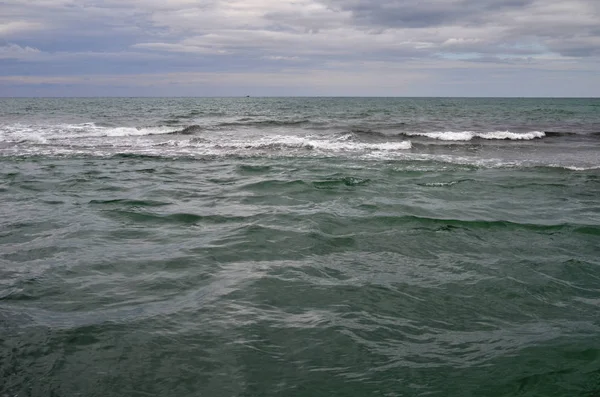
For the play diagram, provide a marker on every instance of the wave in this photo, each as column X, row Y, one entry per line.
column 559, row 133
column 297, row 142
column 469, row 135
column 67, row 132
column 174, row 218
column 403, row 160
column 283, row 142
column 246, row 121
column 367, row 132
column 554, row 111
column 442, row 224
column 581, row 134
column 444, row 184
column 44, row 133
column 575, row 168
column 199, row 141
column 189, row 130
column 130, row 203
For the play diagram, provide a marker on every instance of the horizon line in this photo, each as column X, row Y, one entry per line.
column 296, row 96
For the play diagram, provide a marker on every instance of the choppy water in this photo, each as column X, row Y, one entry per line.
column 300, row 247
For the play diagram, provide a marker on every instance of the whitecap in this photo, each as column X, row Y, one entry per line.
column 468, row 135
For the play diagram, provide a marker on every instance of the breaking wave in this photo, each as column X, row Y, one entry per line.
column 469, row 135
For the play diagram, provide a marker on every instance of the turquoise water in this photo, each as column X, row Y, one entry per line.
column 299, row 247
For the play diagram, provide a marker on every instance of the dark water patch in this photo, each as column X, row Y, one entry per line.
column 553, row 111
column 560, row 133
column 49, row 167
column 190, row 130
column 136, row 156
column 253, row 169
column 591, row 230
column 131, row 203
column 576, row 136
column 128, row 234
column 224, row 180
column 334, row 183
column 111, row 188
column 449, row 224
column 178, row 218
column 519, row 186
column 365, row 132
column 11, row 175
column 92, row 173
column 267, row 123
column 171, row 122
column 17, row 295
column 368, row 207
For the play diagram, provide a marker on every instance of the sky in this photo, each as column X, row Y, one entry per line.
column 508, row 48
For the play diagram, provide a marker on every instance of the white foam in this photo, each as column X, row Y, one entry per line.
column 36, row 133
column 512, row 135
column 308, row 142
column 440, row 184
column 468, row 135
column 576, row 168
column 17, row 133
column 89, row 138
column 446, row 136
column 129, row 131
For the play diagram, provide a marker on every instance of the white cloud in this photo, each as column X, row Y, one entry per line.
column 194, row 49
column 15, row 51
column 11, row 28
column 283, row 58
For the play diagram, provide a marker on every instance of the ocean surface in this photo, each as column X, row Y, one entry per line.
column 299, row 247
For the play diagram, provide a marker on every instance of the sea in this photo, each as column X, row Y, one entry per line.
column 299, row 247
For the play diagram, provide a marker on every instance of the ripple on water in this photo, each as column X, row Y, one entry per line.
column 297, row 277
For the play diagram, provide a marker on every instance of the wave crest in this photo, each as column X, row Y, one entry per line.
column 469, row 135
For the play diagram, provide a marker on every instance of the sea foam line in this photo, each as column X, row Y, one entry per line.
column 468, row 135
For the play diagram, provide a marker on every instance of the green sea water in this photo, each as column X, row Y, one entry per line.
column 300, row 247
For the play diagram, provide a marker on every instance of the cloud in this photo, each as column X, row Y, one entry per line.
column 283, row 58
column 177, row 47
column 15, row 51
column 419, row 14
column 11, row 28
column 265, row 37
